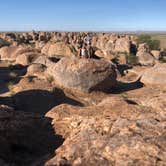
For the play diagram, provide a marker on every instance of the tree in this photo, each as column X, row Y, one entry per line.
column 153, row 44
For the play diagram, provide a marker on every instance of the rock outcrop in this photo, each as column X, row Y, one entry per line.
column 9, row 53
column 21, row 54
column 145, row 58
column 122, row 45
column 104, row 135
column 59, row 49
column 155, row 76
column 156, row 54
column 83, row 75
column 25, row 137
column 27, row 58
column 35, row 69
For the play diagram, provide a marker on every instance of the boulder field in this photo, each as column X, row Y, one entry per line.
column 57, row 109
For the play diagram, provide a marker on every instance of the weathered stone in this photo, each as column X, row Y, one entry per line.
column 9, row 53
column 27, row 58
column 83, row 74
column 105, row 135
column 145, row 58
column 105, row 54
column 122, row 58
column 155, row 75
column 35, row 69
column 58, row 49
column 122, row 45
column 156, row 54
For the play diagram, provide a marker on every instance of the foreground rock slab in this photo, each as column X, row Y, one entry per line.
column 116, row 131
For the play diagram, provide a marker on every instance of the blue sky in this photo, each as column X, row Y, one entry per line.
column 83, row 15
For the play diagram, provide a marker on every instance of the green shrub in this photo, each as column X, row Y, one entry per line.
column 50, row 79
column 43, row 67
column 10, row 88
column 162, row 59
column 4, row 43
column 115, row 60
column 153, row 44
column 143, row 39
column 132, row 59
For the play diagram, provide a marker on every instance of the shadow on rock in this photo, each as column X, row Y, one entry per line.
column 123, row 68
column 10, row 76
column 124, row 87
column 27, row 138
column 38, row 101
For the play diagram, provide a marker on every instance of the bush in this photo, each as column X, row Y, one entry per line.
column 162, row 59
column 143, row 39
column 153, row 44
column 132, row 59
column 4, row 43
column 115, row 60
column 50, row 79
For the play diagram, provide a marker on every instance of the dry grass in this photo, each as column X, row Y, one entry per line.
column 10, row 87
column 161, row 38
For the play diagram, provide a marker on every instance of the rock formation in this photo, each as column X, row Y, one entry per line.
column 83, row 75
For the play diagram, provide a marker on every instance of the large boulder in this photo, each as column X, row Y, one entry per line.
column 12, row 52
column 46, row 61
column 101, row 42
column 122, row 58
column 35, row 69
column 107, row 55
column 122, row 45
column 83, row 74
column 100, row 53
column 144, row 47
column 155, row 75
column 156, row 54
column 9, row 53
column 110, row 45
column 27, row 58
column 59, row 49
column 145, row 58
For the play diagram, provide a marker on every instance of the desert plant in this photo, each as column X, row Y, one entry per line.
column 132, row 59
column 153, row 44
column 43, row 67
column 50, row 79
column 143, row 39
column 10, row 85
column 162, row 59
column 4, row 43
column 10, row 88
column 115, row 60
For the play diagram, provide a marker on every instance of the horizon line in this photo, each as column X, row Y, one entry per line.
column 93, row 31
